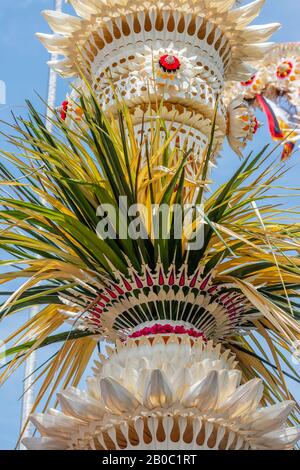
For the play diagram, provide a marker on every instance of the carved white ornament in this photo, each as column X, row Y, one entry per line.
column 120, row 41
column 173, row 393
column 242, row 124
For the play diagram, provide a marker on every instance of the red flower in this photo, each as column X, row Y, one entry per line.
column 169, row 63
column 256, row 125
column 285, row 69
column 136, row 334
column 179, row 330
column 168, row 328
column 147, row 331
column 159, row 328
column 64, row 109
column 192, row 333
column 249, row 82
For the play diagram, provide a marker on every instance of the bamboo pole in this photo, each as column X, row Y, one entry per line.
column 30, row 365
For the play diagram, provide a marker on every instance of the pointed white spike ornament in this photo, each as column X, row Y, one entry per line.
column 194, row 305
column 169, row 383
column 140, row 398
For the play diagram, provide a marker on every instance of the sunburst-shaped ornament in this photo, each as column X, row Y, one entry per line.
column 165, row 393
column 169, row 70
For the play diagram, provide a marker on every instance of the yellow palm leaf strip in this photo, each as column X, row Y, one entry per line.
column 67, row 235
column 256, row 210
column 53, row 201
column 267, row 338
column 86, row 348
column 237, row 236
column 256, row 368
column 46, row 331
column 134, row 148
column 159, row 152
column 52, row 369
column 48, row 272
column 29, row 243
column 76, row 360
column 276, row 316
column 37, row 277
column 36, row 323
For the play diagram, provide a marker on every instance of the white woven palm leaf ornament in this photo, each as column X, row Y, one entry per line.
column 182, row 52
column 168, row 393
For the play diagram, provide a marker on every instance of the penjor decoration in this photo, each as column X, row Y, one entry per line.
column 274, row 88
column 195, row 335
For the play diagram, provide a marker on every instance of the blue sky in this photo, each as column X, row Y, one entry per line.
column 23, row 68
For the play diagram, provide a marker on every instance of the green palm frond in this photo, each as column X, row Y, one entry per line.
column 48, row 231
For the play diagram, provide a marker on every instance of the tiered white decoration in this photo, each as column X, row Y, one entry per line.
column 170, row 392
column 179, row 51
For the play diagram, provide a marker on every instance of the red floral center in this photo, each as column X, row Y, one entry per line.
column 64, row 109
column 169, row 63
column 168, row 329
column 284, row 69
column 249, row 82
column 255, row 125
